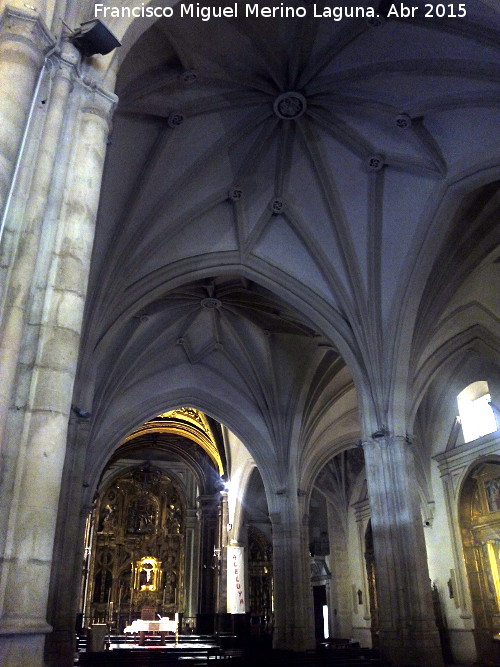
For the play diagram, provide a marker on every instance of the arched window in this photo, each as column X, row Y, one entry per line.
column 476, row 414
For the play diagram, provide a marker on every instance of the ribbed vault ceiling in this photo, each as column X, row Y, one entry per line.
column 310, row 153
column 233, row 338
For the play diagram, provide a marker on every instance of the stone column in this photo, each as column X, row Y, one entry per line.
column 41, row 440
column 69, row 550
column 341, row 594
column 408, row 633
column 362, row 516
column 24, row 40
column 208, row 512
column 192, row 563
column 21, row 314
column 293, row 603
column 222, row 545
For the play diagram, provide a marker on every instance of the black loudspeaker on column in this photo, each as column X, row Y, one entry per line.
column 94, row 37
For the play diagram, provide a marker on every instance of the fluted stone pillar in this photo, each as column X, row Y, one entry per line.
column 362, row 517
column 208, row 516
column 24, row 41
column 192, row 563
column 24, row 303
column 408, row 633
column 68, row 558
column 47, row 376
column 222, row 545
column 293, row 603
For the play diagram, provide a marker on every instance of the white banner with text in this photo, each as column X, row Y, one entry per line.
column 235, row 580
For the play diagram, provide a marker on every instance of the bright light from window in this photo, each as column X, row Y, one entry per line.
column 476, row 413
column 326, row 630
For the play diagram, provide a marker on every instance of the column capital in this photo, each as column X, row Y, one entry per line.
column 384, row 439
column 208, row 503
column 25, row 28
column 276, row 518
column 97, row 100
column 64, row 62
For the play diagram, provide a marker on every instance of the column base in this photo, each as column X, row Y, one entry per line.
column 233, row 624
column 294, row 639
column 488, row 648
column 205, row 624
column 411, row 650
column 22, row 650
column 22, row 641
column 21, row 625
column 60, row 649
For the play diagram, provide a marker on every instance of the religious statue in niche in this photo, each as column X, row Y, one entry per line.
column 170, row 586
column 147, row 574
column 493, row 494
column 477, row 504
column 171, row 570
column 108, row 519
column 124, row 588
column 141, row 518
column 174, row 519
column 147, row 476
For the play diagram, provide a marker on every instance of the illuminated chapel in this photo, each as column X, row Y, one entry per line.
column 249, row 310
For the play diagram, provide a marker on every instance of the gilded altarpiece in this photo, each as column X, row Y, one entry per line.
column 260, row 581
column 138, row 546
column 372, row 585
column 480, row 525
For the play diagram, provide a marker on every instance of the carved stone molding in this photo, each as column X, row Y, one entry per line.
column 277, row 206
column 403, row 121
column 98, row 102
column 25, row 28
column 189, row 76
column 374, row 163
column 210, row 303
column 235, row 193
column 175, row 118
column 290, row 105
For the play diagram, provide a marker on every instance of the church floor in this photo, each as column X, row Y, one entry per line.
column 152, row 657
column 206, row 650
column 248, row 659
